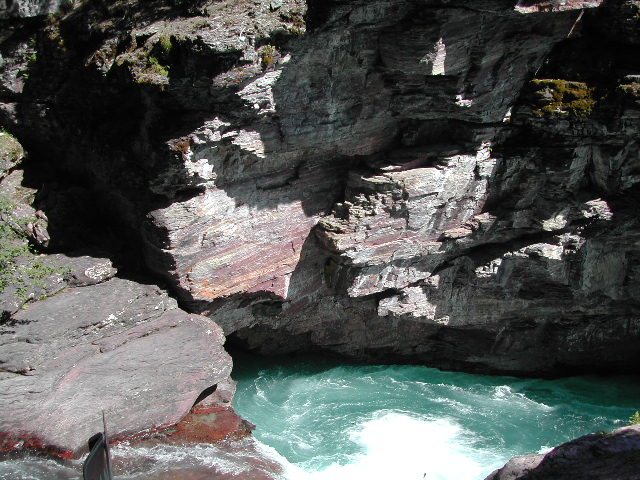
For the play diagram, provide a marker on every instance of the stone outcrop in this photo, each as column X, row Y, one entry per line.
column 76, row 341
column 117, row 346
column 440, row 182
column 592, row 457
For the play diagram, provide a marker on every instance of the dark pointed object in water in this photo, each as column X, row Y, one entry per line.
column 97, row 465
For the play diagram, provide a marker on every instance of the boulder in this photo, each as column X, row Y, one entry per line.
column 119, row 347
column 598, row 456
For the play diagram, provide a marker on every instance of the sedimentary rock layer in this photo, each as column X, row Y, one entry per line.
column 449, row 183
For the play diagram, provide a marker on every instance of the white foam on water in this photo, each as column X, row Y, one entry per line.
column 235, row 461
column 505, row 392
column 35, row 468
column 403, row 447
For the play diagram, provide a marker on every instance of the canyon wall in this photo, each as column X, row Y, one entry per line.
column 444, row 182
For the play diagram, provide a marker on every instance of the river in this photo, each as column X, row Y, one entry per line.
column 324, row 419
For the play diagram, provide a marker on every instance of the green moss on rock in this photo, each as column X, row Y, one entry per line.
column 632, row 90
column 20, row 265
column 11, row 152
column 267, row 55
column 562, row 97
column 157, row 67
column 165, row 44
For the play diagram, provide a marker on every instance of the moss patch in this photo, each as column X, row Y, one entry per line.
column 165, row 44
column 20, row 265
column 562, row 97
column 157, row 67
column 11, row 152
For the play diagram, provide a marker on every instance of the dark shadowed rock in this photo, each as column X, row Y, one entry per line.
column 599, row 456
column 119, row 346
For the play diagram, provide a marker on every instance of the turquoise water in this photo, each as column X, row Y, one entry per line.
column 409, row 422
column 326, row 420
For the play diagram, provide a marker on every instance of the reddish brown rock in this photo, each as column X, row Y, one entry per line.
column 210, row 420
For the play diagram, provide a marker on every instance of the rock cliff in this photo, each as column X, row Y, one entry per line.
column 424, row 181
column 76, row 341
column 450, row 182
column 440, row 182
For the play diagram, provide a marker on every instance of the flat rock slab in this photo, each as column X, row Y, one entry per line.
column 40, row 276
column 119, row 346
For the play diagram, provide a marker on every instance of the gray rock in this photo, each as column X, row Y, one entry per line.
column 118, row 346
column 82, row 270
column 11, row 153
column 389, row 186
column 592, row 457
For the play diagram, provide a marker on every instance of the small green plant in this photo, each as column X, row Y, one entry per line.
column 295, row 20
column 10, row 149
column 19, row 264
column 12, row 246
column 157, row 67
column 31, row 58
column 635, row 419
column 632, row 90
column 164, row 43
column 267, row 55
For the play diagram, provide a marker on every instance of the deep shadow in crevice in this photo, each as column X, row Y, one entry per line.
column 204, row 394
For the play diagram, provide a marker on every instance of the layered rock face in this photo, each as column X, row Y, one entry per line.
column 389, row 185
